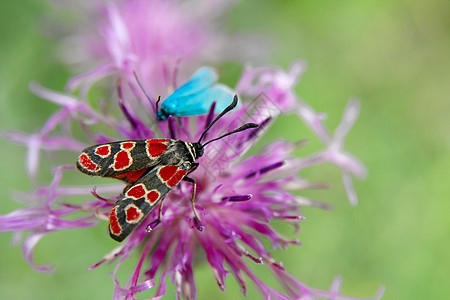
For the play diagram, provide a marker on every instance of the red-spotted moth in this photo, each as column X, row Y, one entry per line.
column 151, row 168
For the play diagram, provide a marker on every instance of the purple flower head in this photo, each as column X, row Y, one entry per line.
column 238, row 195
column 152, row 38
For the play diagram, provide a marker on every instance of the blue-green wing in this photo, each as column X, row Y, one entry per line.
column 200, row 103
column 197, row 94
column 202, row 79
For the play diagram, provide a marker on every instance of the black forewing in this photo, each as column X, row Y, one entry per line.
column 152, row 183
column 91, row 163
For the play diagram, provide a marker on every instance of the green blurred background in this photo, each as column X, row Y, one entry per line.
column 393, row 55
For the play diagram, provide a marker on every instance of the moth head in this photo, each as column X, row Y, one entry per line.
column 160, row 115
column 198, row 150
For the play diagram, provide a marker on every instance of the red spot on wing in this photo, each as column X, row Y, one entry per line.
column 156, row 147
column 176, row 178
column 86, row 162
column 103, row 151
column 137, row 191
column 153, row 196
column 122, row 160
column 167, row 172
column 127, row 145
column 114, row 225
column 171, row 175
column 133, row 214
column 132, row 176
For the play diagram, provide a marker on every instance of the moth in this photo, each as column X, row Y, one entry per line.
column 196, row 96
column 151, row 168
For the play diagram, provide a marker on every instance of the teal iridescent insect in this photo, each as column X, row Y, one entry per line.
column 196, row 96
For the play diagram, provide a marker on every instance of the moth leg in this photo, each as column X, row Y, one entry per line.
column 193, row 168
column 156, row 222
column 160, row 208
column 194, row 191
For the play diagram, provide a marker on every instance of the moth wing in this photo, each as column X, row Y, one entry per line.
column 140, row 199
column 201, row 80
column 125, row 160
column 200, row 103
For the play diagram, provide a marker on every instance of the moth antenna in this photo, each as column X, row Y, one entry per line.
column 226, row 110
column 157, row 103
column 242, row 128
column 145, row 93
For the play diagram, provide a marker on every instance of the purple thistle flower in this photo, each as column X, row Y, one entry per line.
column 238, row 196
